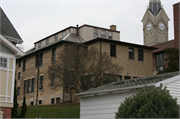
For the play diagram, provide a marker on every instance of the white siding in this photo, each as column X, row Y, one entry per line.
column 174, row 89
column 103, row 106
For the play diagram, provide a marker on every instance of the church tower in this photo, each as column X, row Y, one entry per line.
column 155, row 24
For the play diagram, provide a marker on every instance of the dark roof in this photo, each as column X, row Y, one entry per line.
column 164, row 45
column 132, row 83
column 6, row 27
column 70, row 38
column 120, row 43
column 76, row 28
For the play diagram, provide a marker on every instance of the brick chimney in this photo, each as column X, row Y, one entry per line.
column 176, row 9
column 113, row 27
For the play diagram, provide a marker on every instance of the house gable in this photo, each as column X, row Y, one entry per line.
column 5, row 49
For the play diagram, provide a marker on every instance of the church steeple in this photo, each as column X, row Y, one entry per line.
column 154, row 6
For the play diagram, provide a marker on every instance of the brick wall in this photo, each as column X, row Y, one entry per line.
column 6, row 112
column 176, row 10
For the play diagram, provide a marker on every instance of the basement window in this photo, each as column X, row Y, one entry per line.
column 52, row 101
column 40, row 101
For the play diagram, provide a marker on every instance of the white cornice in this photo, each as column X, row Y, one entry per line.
column 11, row 46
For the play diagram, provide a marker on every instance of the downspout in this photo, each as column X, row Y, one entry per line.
column 100, row 62
column 37, row 81
column 77, row 30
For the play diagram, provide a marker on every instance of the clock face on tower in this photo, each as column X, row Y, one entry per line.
column 161, row 26
column 149, row 26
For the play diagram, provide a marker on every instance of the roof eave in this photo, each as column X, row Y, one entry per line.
column 112, row 90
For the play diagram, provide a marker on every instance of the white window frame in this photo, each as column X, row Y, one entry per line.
column 110, row 35
column 47, row 41
column 2, row 67
column 103, row 33
column 56, row 37
column 63, row 34
column 96, row 32
column 39, row 44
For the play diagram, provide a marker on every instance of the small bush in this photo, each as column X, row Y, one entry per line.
column 149, row 103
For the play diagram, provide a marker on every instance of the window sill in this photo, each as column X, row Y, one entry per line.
column 52, row 87
column 131, row 60
column 113, row 57
column 140, row 61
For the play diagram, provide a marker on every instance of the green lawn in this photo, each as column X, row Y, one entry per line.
column 53, row 111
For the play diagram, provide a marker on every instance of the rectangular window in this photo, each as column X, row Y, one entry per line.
column 25, row 87
column 41, row 82
column 131, row 53
column 3, row 62
column 113, row 50
column 47, row 41
column 140, row 55
column 160, row 63
column 96, row 32
column 120, row 78
column 37, row 60
column 52, row 101
column 19, row 64
column 24, row 65
column 63, row 33
column 18, row 91
column 39, row 44
column 91, row 81
column 108, row 78
column 58, row 100
column 52, row 80
column 55, row 37
column 40, row 101
column 110, row 35
column 32, row 102
column 103, row 34
column 127, row 77
column 33, row 85
column 70, row 77
column 19, row 75
column 53, row 54
column 29, row 86
column 41, row 59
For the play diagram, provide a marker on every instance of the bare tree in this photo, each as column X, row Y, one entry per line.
column 83, row 67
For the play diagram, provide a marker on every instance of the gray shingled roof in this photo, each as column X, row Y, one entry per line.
column 132, row 83
column 6, row 27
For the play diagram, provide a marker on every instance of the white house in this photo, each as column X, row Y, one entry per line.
column 102, row 102
column 8, row 53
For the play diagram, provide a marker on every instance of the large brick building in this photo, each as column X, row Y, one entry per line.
column 136, row 60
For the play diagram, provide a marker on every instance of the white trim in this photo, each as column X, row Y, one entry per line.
column 169, row 80
column 66, row 36
column 6, row 42
column 7, row 80
column 18, row 41
column 111, row 90
column 8, row 56
column 4, row 96
column 13, row 79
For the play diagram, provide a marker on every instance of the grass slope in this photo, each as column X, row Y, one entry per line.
column 53, row 111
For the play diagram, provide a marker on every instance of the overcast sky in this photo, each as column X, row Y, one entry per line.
column 36, row 19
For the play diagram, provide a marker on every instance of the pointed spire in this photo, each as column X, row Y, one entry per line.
column 155, row 6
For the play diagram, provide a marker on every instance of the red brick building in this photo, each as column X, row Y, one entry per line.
column 159, row 55
column 176, row 9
